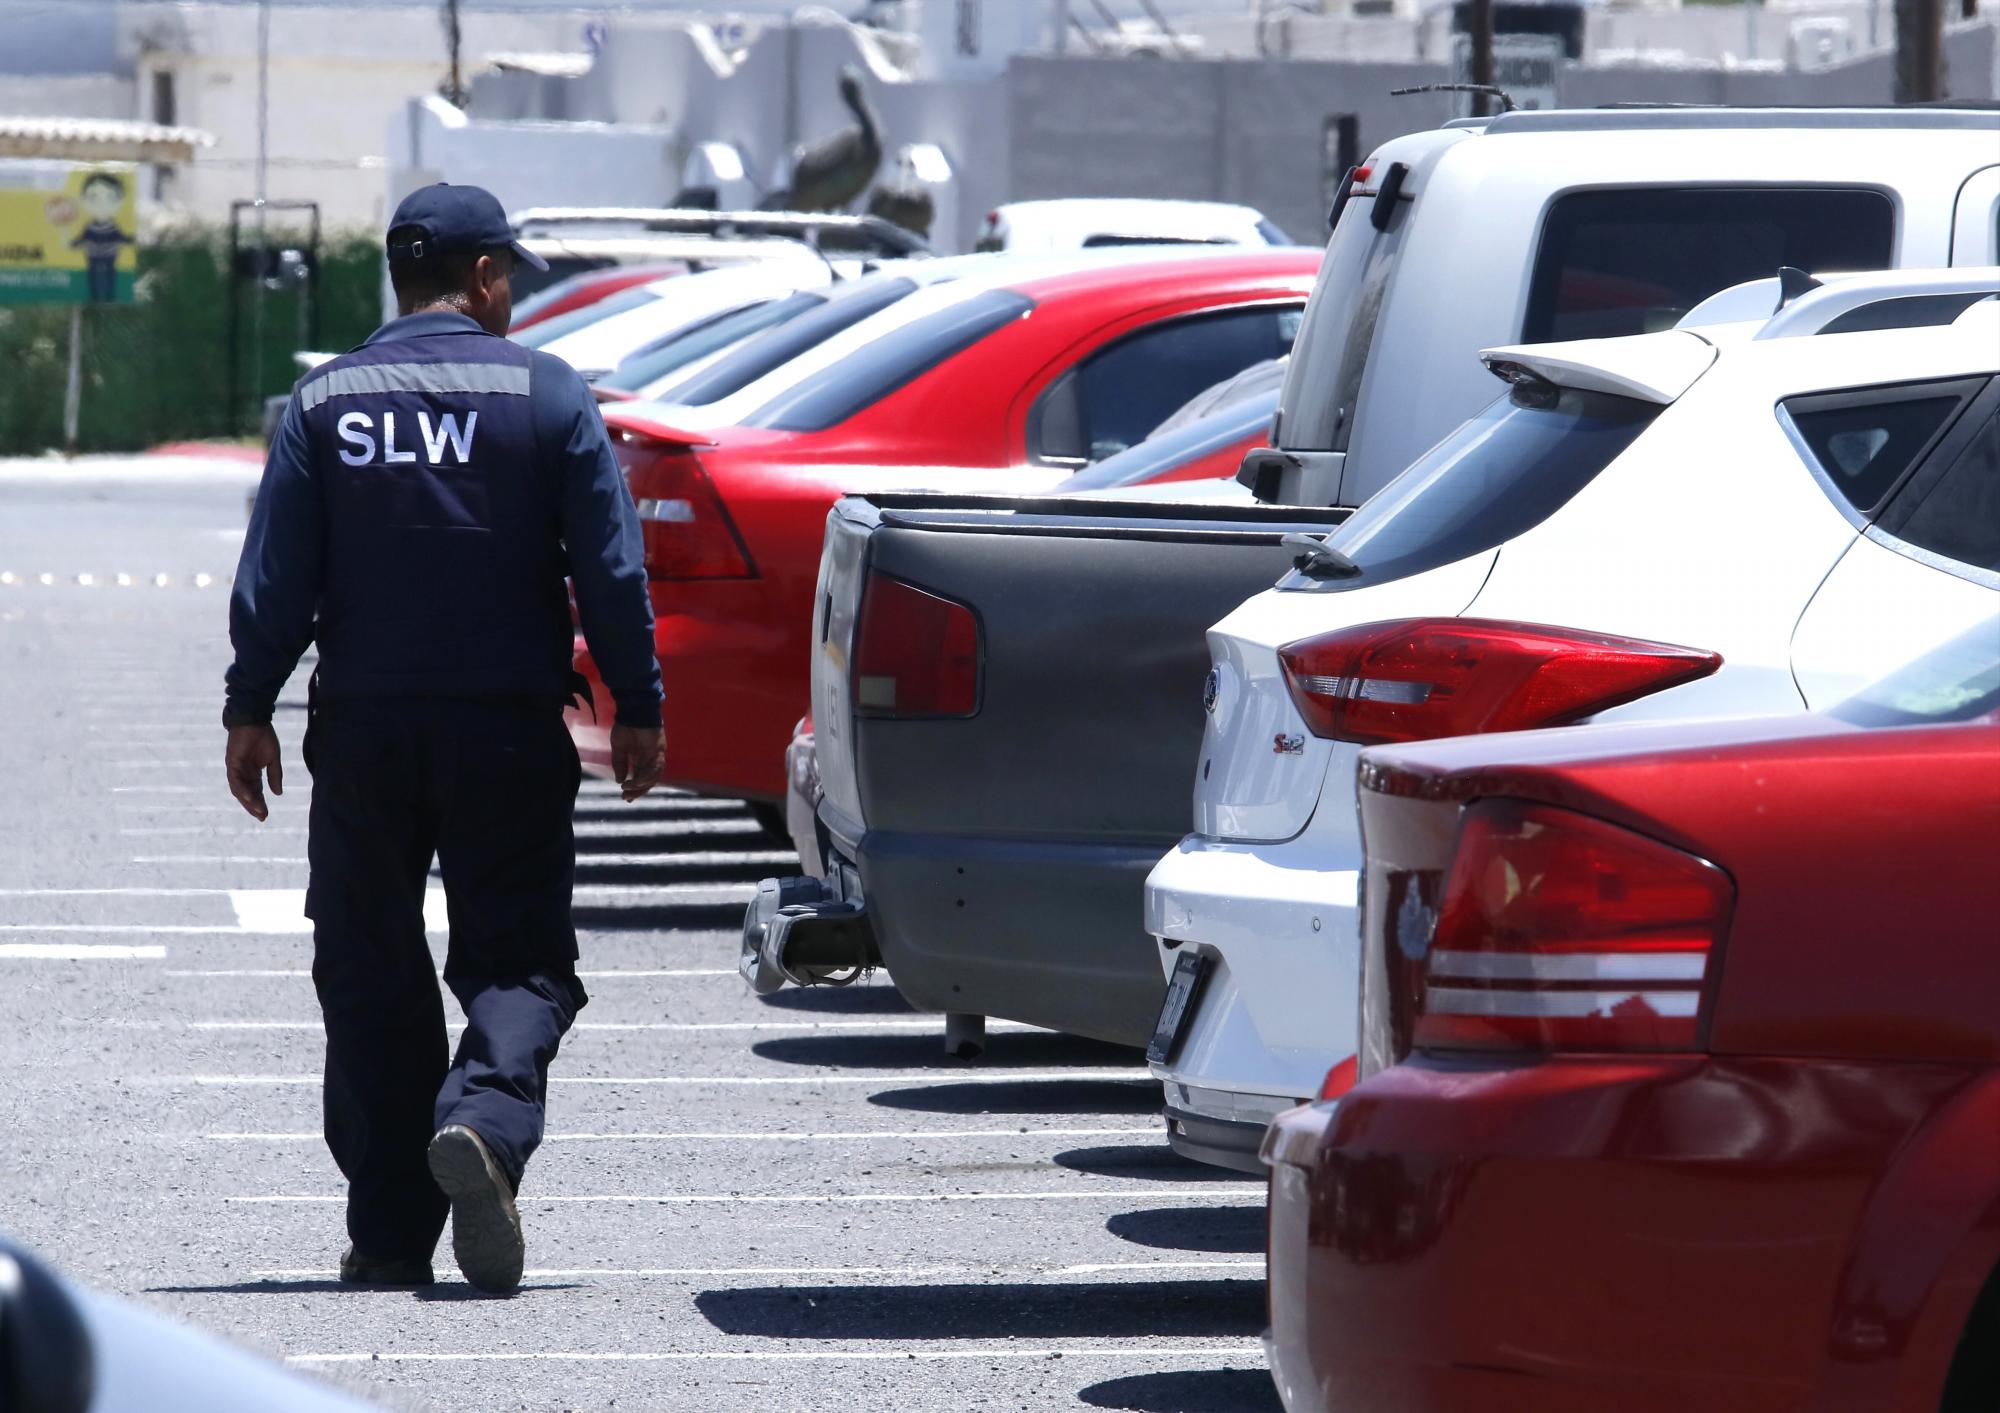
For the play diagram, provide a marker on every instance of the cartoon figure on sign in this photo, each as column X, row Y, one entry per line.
column 103, row 199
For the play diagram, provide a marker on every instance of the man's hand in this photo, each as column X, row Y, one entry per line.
column 637, row 758
column 252, row 751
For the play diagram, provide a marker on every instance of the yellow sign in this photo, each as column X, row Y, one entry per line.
column 68, row 234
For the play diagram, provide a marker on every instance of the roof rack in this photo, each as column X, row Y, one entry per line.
column 891, row 238
column 1889, row 299
column 1625, row 117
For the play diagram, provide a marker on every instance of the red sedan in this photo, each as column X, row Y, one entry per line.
column 1693, row 1097
column 978, row 385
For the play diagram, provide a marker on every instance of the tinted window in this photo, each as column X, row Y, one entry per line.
column 1635, row 261
column 743, row 366
column 1498, row 476
column 1956, row 514
column 1120, row 393
column 876, row 369
column 549, row 330
column 678, row 349
column 1158, row 455
column 1956, row 682
column 1863, row 443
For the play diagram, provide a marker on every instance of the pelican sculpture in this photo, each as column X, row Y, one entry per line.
column 832, row 172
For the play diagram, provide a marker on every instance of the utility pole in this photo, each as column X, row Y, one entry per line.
column 1919, row 51
column 1482, row 53
column 454, row 86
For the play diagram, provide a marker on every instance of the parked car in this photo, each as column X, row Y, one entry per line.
column 576, row 239
column 1026, row 902
column 1728, row 520
column 64, row 1349
column 1183, row 460
column 593, row 340
column 581, row 291
column 1681, row 1072
column 701, row 366
column 1080, row 223
column 1005, row 381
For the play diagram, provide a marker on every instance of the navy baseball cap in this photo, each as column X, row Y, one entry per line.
column 447, row 218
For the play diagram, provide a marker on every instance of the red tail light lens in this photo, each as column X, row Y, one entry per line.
column 1557, row 931
column 915, row 653
column 1416, row 679
column 688, row 534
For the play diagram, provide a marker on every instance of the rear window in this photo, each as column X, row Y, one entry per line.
column 1166, row 451
column 743, row 366
column 1499, row 475
column 876, row 369
column 665, row 356
column 1634, row 261
column 549, row 330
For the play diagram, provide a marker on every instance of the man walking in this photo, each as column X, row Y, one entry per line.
column 424, row 497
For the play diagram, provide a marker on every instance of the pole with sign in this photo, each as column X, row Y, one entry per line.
column 1525, row 67
column 69, row 234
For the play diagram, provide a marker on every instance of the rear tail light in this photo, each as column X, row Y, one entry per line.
column 1339, row 1080
column 1558, row 931
column 915, row 653
column 688, row 535
column 1416, row 679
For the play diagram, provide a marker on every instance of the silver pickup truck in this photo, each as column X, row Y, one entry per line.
column 990, row 852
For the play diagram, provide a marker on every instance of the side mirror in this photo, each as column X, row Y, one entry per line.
column 46, row 1363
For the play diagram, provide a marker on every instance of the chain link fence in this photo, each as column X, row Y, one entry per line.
column 157, row 370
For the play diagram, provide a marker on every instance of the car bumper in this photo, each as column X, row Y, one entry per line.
column 1042, row 932
column 1277, row 924
column 733, row 693
column 1656, row 1233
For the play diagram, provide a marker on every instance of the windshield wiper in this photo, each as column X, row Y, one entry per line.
column 1319, row 560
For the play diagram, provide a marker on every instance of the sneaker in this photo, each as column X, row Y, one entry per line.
column 356, row 1269
column 485, row 1226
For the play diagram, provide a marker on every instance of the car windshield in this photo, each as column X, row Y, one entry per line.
column 873, row 371
column 1165, row 451
column 779, row 345
column 549, row 330
column 684, row 346
column 1957, row 681
column 1499, row 475
column 1316, row 411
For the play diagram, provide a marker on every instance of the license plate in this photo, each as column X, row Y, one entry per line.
column 1183, row 989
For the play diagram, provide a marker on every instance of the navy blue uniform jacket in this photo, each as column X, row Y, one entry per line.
column 425, row 496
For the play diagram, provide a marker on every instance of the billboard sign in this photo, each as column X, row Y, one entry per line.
column 69, row 233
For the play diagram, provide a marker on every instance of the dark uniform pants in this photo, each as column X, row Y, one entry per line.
column 488, row 786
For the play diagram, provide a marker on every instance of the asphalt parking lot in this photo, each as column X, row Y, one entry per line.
column 792, row 1203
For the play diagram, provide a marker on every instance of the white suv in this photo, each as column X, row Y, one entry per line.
column 1731, row 517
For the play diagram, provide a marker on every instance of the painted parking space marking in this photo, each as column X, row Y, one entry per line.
column 926, row 1077
column 1247, row 1350
column 78, row 952
column 831, row 1136
column 1244, row 1195
column 547, row 1273
column 306, row 974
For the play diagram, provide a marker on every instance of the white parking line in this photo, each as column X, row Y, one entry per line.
column 896, row 1023
column 833, row 1136
column 1125, row 1076
column 78, row 952
column 586, row 975
column 709, row 858
column 813, row 1272
column 1244, row 1195
column 1249, row 1351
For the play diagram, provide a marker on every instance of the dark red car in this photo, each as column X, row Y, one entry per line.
column 1681, row 1073
column 993, row 386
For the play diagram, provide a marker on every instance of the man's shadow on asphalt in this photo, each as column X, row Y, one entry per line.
column 1188, row 1391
